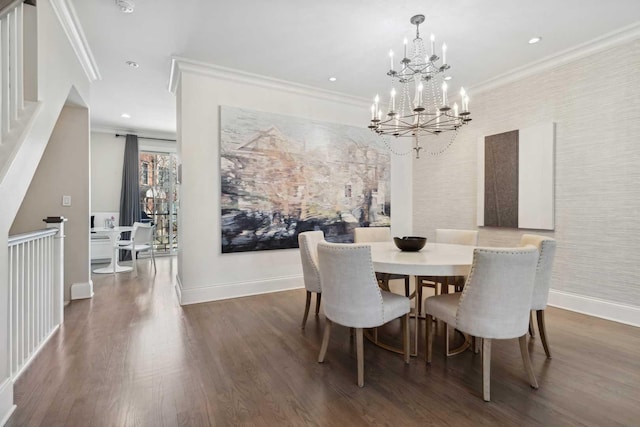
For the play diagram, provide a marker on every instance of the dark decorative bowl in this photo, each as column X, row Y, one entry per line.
column 410, row 243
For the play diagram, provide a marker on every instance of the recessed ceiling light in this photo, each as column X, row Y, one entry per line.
column 534, row 40
column 125, row 6
column 447, row 78
column 332, row 79
column 132, row 64
column 125, row 116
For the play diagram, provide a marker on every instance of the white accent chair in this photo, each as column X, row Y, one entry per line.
column 547, row 249
column 308, row 242
column 454, row 237
column 494, row 304
column 141, row 241
column 353, row 298
column 380, row 234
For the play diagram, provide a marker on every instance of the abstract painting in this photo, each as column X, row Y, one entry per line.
column 516, row 178
column 283, row 175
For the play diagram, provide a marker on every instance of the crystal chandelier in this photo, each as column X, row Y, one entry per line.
column 420, row 109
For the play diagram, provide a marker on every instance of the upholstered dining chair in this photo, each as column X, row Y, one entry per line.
column 494, row 304
column 380, row 234
column 454, row 237
column 141, row 241
column 547, row 249
column 308, row 242
column 353, row 298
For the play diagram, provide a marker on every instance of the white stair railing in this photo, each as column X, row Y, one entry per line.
column 35, row 293
column 11, row 66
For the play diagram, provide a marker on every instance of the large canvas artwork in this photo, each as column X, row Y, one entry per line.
column 283, row 175
column 516, row 178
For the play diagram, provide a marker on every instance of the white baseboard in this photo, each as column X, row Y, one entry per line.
column 235, row 290
column 6, row 401
column 622, row 313
column 82, row 290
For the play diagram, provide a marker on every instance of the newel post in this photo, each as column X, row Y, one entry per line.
column 58, row 267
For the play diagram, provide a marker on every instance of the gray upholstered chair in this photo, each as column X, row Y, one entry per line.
column 547, row 249
column 454, row 237
column 353, row 298
column 494, row 304
column 380, row 234
column 141, row 241
column 308, row 242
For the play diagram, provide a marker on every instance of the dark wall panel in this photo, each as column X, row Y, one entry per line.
column 501, row 180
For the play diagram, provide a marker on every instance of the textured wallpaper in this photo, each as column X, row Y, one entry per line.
column 595, row 103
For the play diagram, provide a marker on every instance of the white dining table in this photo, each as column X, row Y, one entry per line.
column 435, row 259
column 114, row 236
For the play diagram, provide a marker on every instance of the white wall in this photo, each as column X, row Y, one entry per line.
column 68, row 146
column 594, row 102
column 107, row 156
column 204, row 273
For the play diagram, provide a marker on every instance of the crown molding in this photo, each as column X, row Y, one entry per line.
column 614, row 38
column 181, row 65
column 68, row 18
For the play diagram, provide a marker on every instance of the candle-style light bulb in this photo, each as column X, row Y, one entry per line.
column 455, row 109
column 462, row 95
column 433, row 44
column 420, row 88
column 466, row 103
column 444, row 93
column 444, row 53
column 393, row 99
column 376, row 100
column 391, row 59
column 405, row 46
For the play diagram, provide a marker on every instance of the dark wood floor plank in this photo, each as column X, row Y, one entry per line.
column 131, row 356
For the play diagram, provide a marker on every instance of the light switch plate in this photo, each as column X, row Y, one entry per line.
column 66, row 200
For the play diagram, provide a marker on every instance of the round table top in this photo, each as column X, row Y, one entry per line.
column 116, row 229
column 435, row 259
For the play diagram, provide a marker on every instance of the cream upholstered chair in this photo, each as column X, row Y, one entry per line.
column 353, row 298
column 141, row 241
column 308, row 241
column 547, row 249
column 494, row 304
column 454, row 237
column 380, row 234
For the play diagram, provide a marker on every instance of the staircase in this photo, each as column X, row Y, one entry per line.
column 41, row 67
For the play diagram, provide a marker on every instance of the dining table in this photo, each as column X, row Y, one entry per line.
column 114, row 236
column 434, row 259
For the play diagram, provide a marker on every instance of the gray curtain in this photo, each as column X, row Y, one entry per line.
column 130, row 192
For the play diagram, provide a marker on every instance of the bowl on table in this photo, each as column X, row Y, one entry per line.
column 410, row 243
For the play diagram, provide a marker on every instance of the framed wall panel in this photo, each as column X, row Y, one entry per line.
column 516, row 178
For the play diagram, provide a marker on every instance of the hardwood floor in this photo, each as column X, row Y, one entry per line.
column 131, row 356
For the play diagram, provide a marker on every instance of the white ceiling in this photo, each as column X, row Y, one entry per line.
column 307, row 41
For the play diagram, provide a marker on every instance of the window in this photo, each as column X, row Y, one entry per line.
column 144, row 173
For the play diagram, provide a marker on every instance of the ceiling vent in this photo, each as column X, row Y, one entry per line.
column 125, row 6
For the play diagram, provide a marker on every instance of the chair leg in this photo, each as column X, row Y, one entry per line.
column 446, row 339
column 325, row 341
column 134, row 260
column 306, row 310
column 429, row 336
column 406, row 340
column 532, row 332
column 318, row 298
column 407, row 287
column 153, row 258
column 527, row 361
column 418, row 297
column 360, row 356
column 486, row 369
column 543, row 332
